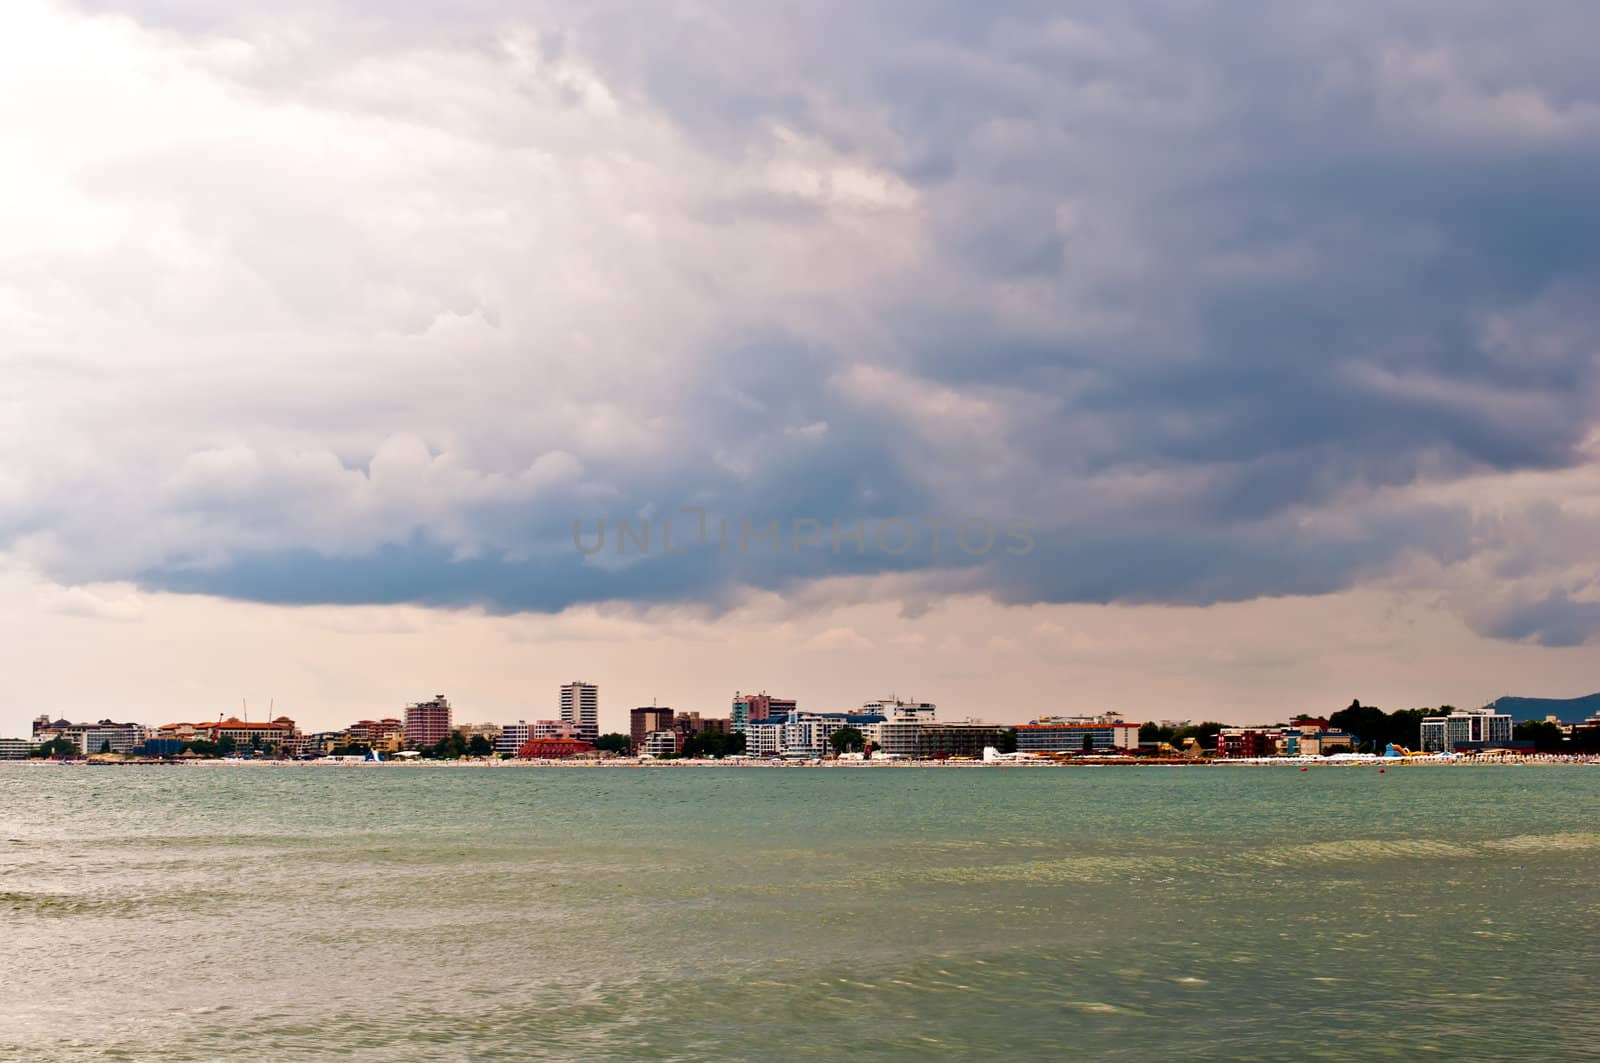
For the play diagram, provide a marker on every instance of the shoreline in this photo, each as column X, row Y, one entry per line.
column 616, row 763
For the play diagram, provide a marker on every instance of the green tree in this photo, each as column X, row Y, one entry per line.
column 1368, row 723
column 451, row 747
column 480, row 746
column 56, row 747
column 202, row 748
column 1008, row 741
column 848, row 740
column 1154, row 732
column 1203, row 733
column 1545, row 736
column 226, row 745
column 105, row 746
column 613, row 743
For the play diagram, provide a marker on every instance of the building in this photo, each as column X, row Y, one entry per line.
column 1317, row 743
column 896, row 735
column 554, row 729
column 15, row 748
column 1077, row 734
column 1236, row 742
column 580, row 706
column 554, row 749
column 895, row 709
column 513, row 736
column 805, row 734
column 386, row 735
column 106, row 736
column 427, row 722
column 645, row 719
column 1466, row 729
column 242, row 735
column 658, row 744
column 490, row 731
column 748, row 708
column 937, row 741
column 689, row 724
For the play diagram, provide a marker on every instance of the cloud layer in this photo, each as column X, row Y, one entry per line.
column 368, row 303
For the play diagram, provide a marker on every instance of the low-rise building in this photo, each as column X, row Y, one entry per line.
column 806, row 734
column 957, row 738
column 104, row 736
column 1466, row 729
column 244, row 735
column 15, row 748
column 555, row 748
column 659, row 744
column 1077, row 734
column 1236, row 742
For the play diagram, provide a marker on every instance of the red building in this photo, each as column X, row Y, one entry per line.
column 427, row 722
column 554, row 748
column 1247, row 742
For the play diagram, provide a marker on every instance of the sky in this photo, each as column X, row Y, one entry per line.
column 1186, row 360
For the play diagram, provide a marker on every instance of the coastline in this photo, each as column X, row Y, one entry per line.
column 617, row 763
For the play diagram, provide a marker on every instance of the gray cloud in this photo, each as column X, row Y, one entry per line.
column 1207, row 294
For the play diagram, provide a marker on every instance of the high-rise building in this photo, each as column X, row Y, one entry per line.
column 643, row 720
column 747, row 708
column 580, row 706
column 428, row 722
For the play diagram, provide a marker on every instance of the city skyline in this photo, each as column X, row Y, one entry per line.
column 318, row 348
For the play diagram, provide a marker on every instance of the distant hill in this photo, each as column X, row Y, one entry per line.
column 1567, row 710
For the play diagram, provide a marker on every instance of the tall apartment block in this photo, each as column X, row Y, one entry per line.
column 428, row 722
column 748, row 708
column 580, row 706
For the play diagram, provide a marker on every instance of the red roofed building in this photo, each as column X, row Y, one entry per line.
column 554, row 749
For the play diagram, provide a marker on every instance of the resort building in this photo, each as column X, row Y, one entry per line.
column 15, row 748
column 748, row 708
column 658, row 744
column 106, row 736
column 555, row 749
column 1077, row 734
column 513, row 736
column 1237, row 742
column 427, row 722
column 902, row 711
column 955, row 738
column 580, row 706
column 810, row 734
column 1466, row 729
column 689, row 724
column 645, row 719
column 243, row 735
column 491, row 731
column 386, row 735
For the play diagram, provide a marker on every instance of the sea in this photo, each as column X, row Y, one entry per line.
column 511, row 913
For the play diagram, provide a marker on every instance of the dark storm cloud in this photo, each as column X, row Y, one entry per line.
column 1277, row 257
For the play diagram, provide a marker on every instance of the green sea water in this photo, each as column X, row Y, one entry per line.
column 382, row 913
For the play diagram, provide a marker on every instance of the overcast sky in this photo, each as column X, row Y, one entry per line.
column 1276, row 327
